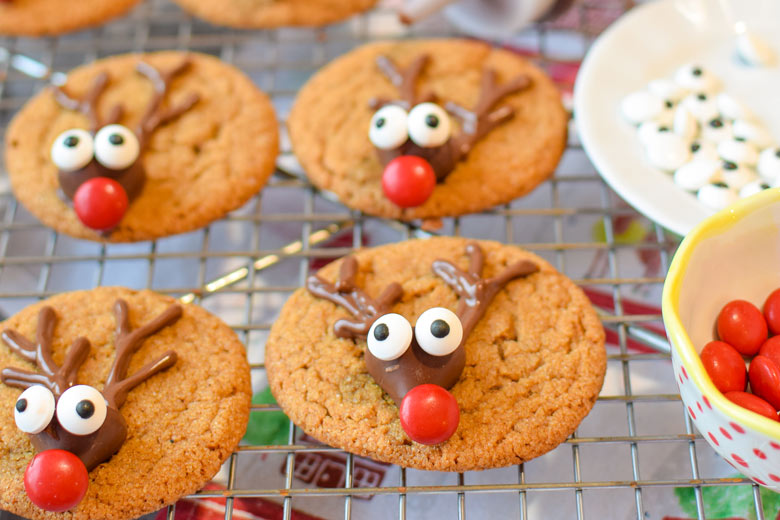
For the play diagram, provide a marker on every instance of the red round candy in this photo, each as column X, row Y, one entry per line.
column 429, row 414
column 408, row 181
column 764, row 377
column 753, row 403
column 772, row 311
column 724, row 366
column 56, row 480
column 741, row 325
column 100, row 203
column 771, row 349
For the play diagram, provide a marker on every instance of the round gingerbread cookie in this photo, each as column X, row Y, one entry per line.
column 428, row 128
column 42, row 17
column 156, row 144
column 183, row 416
column 260, row 13
column 441, row 354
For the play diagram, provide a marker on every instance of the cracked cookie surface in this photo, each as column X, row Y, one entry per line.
column 274, row 13
column 535, row 362
column 203, row 164
column 330, row 119
column 182, row 423
column 39, row 17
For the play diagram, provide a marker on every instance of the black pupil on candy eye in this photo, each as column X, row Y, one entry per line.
column 720, row 184
column 116, row 139
column 716, row 123
column 85, row 409
column 777, row 152
column 431, row 120
column 440, row 329
column 669, row 104
column 380, row 122
column 381, row 332
column 740, row 139
column 695, row 147
column 702, row 97
column 728, row 165
column 663, row 129
column 764, row 186
column 71, row 141
column 21, row 405
column 696, row 71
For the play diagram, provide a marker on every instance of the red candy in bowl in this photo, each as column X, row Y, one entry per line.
column 733, row 255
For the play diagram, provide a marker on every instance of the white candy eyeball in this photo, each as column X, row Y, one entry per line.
column 438, row 331
column 736, row 176
column 695, row 77
column 684, row 124
column 649, row 130
column 701, row 105
column 72, row 150
column 769, row 164
column 429, row 125
column 753, row 133
column 717, row 196
column 34, row 409
column 668, row 151
column 717, row 130
column 667, row 89
column 389, row 337
column 641, row 106
column 740, row 152
column 704, row 150
column 693, row 175
column 752, row 188
column 116, row 147
column 81, row 410
column 388, row 128
column 730, row 108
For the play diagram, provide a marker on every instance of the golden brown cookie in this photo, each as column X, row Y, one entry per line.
column 274, row 13
column 208, row 157
column 39, row 17
column 534, row 363
column 329, row 124
column 182, row 422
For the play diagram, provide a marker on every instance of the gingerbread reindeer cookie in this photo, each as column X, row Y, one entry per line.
column 405, row 352
column 428, row 128
column 111, row 407
column 137, row 147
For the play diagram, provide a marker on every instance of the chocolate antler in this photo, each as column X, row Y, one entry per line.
column 344, row 293
column 128, row 341
column 55, row 378
column 480, row 120
column 88, row 104
column 475, row 292
column 154, row 117
column 405, row 80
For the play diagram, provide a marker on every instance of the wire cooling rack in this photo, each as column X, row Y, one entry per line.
column 632, row 457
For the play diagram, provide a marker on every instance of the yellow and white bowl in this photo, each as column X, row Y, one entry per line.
column 735, row 254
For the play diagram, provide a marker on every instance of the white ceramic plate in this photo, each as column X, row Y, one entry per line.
column 650, row 42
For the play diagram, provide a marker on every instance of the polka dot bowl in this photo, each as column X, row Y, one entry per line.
column 735, row 254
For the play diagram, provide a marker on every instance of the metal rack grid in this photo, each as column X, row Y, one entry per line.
column 244, row 266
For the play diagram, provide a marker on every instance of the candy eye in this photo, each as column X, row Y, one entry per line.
column 388, row 127
column 438, row 331
column 429, row 125
column 34, row 409
column 116, row 147
column 81, row 410
column 389, row 337
column 72, row 150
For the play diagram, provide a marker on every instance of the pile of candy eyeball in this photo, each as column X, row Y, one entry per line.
column 711, row 142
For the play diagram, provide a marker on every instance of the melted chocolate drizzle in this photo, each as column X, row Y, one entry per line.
column 416, row 366
column 99, row 446
column 475, row 123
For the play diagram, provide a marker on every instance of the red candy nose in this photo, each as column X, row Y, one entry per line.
column 56, row 480
column 100, row 203
column 429, row 414
column 408, row 181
